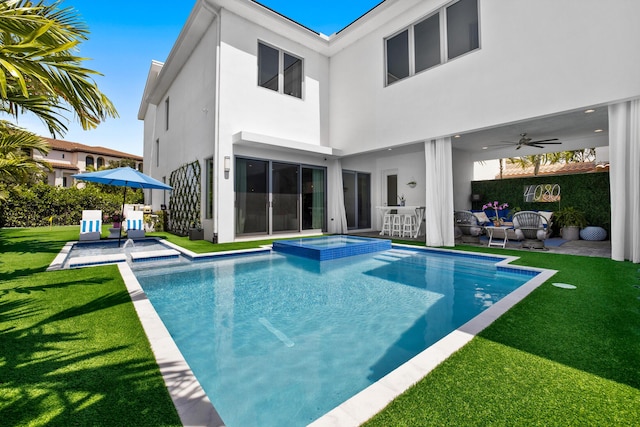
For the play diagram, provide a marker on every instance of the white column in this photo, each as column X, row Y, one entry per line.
column 439, row 192
column 624, row 148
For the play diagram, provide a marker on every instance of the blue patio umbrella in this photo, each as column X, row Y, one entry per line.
column 123, row 177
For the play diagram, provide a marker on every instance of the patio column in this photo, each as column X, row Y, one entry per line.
column 624, row 153
column 439, row 192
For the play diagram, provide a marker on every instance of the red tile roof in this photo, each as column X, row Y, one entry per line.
column 516, row 171
column 61, row 145
column 62, row 165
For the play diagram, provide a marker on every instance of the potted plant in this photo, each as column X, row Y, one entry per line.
column 570, row 220
column 401, row 199
column 116, row 219
column 496, row 206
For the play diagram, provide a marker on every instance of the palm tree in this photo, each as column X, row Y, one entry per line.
column 536, row 160
column 40, row 74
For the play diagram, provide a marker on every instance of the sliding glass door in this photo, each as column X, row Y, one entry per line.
column 357, row 199
column 285, row 193
column 275, row 197
column 313, row 198
column 252, row 197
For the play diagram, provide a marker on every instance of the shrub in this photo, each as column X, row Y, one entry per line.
column 34, row 206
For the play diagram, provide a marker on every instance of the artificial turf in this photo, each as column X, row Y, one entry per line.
column 72, row 351
column 559, row 357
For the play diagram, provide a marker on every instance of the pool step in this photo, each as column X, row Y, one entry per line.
column 85, row 261
column 154, row 255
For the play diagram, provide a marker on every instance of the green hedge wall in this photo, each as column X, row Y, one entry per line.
column 33, row 206
column 589, row 193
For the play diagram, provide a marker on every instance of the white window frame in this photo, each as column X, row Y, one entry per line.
column 281, row 54
column 444, row 51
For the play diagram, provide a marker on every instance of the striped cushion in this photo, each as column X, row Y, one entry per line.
column 89, row 225
column 134, row 224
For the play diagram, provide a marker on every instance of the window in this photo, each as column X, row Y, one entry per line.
column 64, row 181
column 88, row 161
column 462, row 28
column 398, row 57
column 209, row 188
column 158, row 152
column 427, row 43
column 166, row 114
column 279, row 71
column 100, row 162
column 448, row 33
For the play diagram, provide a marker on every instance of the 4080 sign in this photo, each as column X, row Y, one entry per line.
column 544, row 193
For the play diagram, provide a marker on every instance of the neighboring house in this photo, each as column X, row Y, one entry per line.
column 297, row 132
column 68, row 158
column 512, row 170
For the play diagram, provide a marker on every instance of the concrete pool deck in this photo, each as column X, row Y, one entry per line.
column 195, row 408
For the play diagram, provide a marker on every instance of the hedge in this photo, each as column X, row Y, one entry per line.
column 589, row 193
column 34, row 206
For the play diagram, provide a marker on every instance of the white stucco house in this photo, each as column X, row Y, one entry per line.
column 292, row 129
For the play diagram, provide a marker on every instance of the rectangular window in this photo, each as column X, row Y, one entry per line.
column 427, row 43
column 450, row 32
column 398, row 57
column 292, row 76
column 209, row 188
column 166, row 114
column 462, row 28
column 279, row 71
column 158, row 152
column 268, row 68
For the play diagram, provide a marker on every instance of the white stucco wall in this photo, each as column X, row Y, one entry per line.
column 536, row 58
column 245, row 106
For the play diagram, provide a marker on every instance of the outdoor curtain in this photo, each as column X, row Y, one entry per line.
column 624, row 152
column 439, row 192
column 337, row 222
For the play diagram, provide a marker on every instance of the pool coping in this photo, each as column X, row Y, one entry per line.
column 194, row 407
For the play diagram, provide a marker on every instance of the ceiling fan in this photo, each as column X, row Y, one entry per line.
column 529, row 142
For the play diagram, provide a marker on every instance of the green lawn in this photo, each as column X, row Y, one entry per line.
column 73, row 351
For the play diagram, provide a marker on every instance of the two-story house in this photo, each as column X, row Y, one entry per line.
column 296, row 132
column 68, row 158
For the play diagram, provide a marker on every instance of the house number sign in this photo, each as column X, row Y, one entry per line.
column 544, row 193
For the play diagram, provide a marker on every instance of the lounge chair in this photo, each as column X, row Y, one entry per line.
column 91, row 225
column 135, row 224
column 467, row 227
column 531, row 227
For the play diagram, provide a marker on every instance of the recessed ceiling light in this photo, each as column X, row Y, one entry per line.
column 456, row 136
column 589, row 111
column 485, row 148
column 598, row 130
column 389, row 149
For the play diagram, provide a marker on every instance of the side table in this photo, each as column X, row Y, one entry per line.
column 490, row 229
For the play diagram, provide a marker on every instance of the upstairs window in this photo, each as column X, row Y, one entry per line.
column 166, row 114
column 446, row 34
column 88, row 161
column 279, row 71
column 100, row 162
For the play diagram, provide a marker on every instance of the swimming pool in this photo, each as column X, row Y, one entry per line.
column 281, row 340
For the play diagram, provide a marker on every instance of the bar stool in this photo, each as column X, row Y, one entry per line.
column 396, row 225
column 409, row 224
column 386, row 224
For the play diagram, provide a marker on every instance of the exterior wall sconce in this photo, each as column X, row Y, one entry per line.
column 227, row 163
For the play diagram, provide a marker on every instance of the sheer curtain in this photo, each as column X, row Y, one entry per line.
column 624, row 152
column 337, row 222
column 439, row 192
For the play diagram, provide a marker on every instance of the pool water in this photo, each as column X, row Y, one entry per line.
column 277, row 339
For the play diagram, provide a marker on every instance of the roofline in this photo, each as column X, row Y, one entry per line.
column 205, row 12
column 91, row 149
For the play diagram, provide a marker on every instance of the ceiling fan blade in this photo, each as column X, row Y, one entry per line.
column 542, row 140
column 549, row 143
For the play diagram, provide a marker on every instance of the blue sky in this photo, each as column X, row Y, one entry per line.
column 125, row 36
